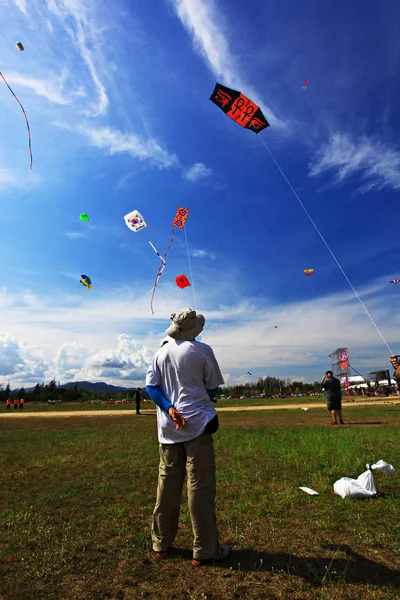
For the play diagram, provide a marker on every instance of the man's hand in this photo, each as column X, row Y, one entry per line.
column 395, row 362
column 177, row 418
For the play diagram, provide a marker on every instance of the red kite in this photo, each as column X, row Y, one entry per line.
column 182, row 281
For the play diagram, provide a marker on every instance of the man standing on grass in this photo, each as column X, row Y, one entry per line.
column 182, row 380
column 138, row 399
column 333, row 393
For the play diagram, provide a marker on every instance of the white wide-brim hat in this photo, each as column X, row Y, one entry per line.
column 186, row 325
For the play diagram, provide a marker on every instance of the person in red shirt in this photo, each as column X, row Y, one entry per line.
column 8, row 402
column 21, row 402
column 16, row 403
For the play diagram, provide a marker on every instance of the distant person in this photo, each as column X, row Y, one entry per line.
column 138, row 399
column 16, row 403
column 182, row 380
column 21, row 402
column 8, row 403
column 333, row 394
column 395, row 362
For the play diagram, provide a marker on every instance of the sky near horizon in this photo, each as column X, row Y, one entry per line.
column 118, row 103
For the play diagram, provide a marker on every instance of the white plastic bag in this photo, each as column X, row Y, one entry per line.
column 364, row 485
column 383, row 467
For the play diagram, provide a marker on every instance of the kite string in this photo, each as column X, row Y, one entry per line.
column 190, row 269
column 351, row 367
column 162, row 266
column 26, row 118
column 325, row 242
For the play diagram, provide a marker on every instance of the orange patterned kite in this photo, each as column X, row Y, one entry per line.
column 180, row 217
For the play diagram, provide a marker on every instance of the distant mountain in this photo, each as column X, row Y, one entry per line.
column 97, row 386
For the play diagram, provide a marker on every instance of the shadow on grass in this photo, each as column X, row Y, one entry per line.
column 344, row 565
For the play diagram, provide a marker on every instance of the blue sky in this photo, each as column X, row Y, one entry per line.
column 118, row 103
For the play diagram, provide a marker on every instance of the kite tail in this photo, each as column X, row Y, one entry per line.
column 162, row 266
column 325, row 242
column 26, row 118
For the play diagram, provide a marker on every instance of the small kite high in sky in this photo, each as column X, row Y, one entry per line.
column 177, row 225
column 305, row 84
column 239, row 108
column 135, row 221
column 20, row 46
column 308, row 272
column 86, row 281
column 182, row 281
column 26, row 118
column 84, row 217
column 395, row 281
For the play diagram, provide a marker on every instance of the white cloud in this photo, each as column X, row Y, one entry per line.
column 129, row 360
column 74, row 235
column 55, row 89
column 18, row 178
column 21, row 5
column 376, row 163
column 19, row 360
column 205, row 24
column 5, row 299
column 84, row 36
column 10, row 359
column 116, row 142
column 69, row 362
column 197, row 172
column 231, row 380
column 203, row 254
column 32, row 301
column 7, row 177
column 76, row 334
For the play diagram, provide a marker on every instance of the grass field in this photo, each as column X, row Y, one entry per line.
column 77, row 496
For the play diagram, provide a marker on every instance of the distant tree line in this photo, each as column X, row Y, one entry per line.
column 42, row 392
column 51, row 391
column 271, row 386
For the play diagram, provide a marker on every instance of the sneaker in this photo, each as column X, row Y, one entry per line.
column 223, row 552
column 342, row 422
column 334, row 423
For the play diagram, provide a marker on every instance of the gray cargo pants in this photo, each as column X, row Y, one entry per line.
column 196, row 459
